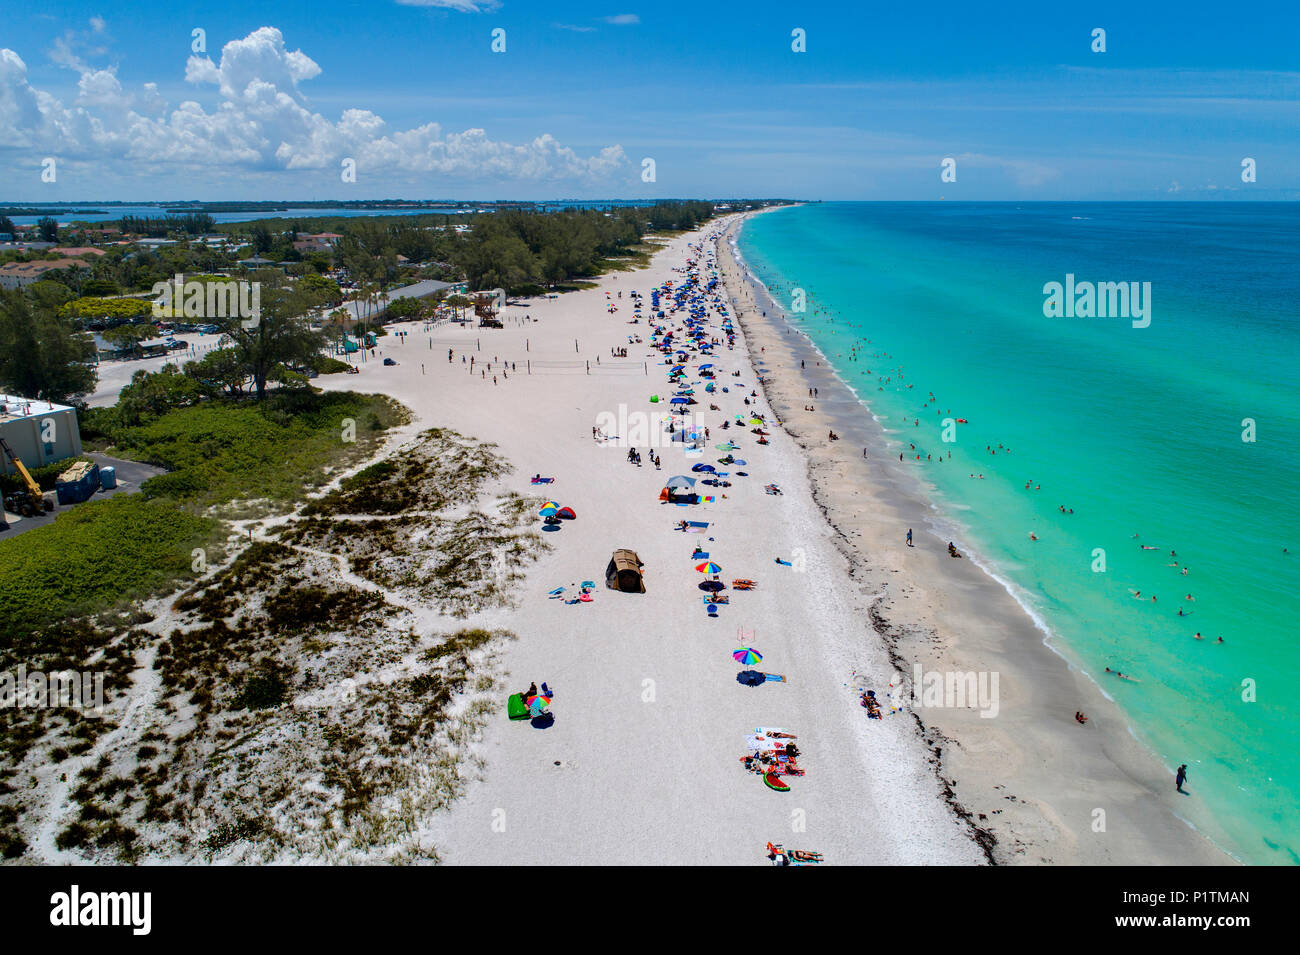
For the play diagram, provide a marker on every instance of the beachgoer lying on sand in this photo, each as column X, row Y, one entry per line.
column 1080, row 718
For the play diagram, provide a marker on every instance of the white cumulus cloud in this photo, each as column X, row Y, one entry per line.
column 258, row 118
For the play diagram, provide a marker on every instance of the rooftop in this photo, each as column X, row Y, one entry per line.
column 14, row 408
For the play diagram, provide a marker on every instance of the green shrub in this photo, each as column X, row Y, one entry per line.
column 263, row 688
column 93, row 556
column 73, row 837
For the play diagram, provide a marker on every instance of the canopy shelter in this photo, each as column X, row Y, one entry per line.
column 624, row 572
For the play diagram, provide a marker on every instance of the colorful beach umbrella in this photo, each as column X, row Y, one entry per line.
column 708, row 567
column 548, row 511
column 747, row 655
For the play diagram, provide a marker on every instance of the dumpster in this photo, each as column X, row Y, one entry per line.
column 78, row 483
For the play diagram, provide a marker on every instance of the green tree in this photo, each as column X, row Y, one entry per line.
column 261, row 238
column 41, row 354
column 48, row 227
column 281, row 335
column 128, row 336
column 320, row 290
column 219, row 370
column 99, row 288
column 151, row 394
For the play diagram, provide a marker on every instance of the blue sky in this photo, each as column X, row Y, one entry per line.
column 713, row 93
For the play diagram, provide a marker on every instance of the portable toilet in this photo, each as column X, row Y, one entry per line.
column 107, row 477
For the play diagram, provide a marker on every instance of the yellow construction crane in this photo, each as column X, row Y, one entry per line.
column 28, row 503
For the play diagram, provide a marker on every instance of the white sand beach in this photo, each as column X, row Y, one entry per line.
column 642, row 763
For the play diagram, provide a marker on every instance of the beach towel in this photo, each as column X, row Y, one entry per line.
column 515, row 707
column 542, row 481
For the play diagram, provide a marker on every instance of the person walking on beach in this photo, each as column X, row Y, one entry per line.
column 1180, row 778
column 909, row 537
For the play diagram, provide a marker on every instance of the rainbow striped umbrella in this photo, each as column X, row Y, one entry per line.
column 708, row 567
column 747, row 655
column 549, row 509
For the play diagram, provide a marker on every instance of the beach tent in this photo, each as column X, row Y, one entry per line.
column 624, row 572
column 565, row 514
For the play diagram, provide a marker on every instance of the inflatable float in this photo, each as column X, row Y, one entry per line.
column 774, row 781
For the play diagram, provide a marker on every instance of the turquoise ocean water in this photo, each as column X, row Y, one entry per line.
column 1138, row 430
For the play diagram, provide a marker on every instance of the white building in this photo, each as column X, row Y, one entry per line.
column 39, row 432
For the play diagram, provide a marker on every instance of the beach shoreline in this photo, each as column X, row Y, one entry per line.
column 641, row 765
column 1049, row 790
